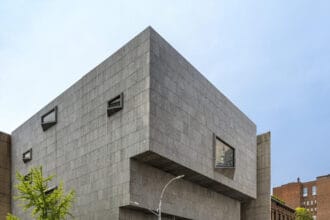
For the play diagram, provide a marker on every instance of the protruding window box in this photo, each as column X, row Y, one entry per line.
column 27, row 156
column 115, row 104
column 50, row 190
column 224, row 154
column 49, row 119
column 28, row 178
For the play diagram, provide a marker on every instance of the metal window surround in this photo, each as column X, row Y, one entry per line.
column 50, row 190
column 27, row 156
column 228, row 157
column 49, row 119
column 115, row 104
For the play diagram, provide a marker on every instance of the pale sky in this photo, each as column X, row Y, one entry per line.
column 270, row 58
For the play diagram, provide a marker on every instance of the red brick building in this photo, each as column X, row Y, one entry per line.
column 281, row 211
column 5, row 194
column 312, row 195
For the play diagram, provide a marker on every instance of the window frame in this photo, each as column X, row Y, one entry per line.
column 25, row 160
column 111, row 110
column 314, row 190
column 305, row 195
column 46, row 125
column 215, row 139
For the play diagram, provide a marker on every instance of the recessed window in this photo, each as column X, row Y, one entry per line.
column 305, row 192
column 50, row 190
column 49, row 119
column 314, row 190
column 224, row 154
column 115, row 104
column 28, row 178
column 27, row 156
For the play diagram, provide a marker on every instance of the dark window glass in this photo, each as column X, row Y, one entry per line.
column 27, row 156
column 49, row 119
column 115, row 104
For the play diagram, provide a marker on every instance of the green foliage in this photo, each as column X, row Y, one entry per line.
column 303, row 214
column 278, row 199
column 32, row 192
column 11, row 217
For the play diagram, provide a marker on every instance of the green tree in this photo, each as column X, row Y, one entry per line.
column 34, row 193
column 303, row 214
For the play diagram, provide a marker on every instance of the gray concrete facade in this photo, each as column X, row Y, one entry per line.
column 166, row 128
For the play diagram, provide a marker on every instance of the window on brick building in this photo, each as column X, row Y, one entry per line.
column 305, row 192
column 224, row 154
column 314, row 190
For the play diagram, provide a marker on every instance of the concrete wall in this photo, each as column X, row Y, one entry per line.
column 260, row 209
column 186, row 110
column 5, row 170
column 86, row 149
column 182, row 198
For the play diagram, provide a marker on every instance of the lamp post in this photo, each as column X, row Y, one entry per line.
column 158, row 212
column 162, row 194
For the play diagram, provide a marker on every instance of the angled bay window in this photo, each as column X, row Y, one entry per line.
column 224, row 154
column 49, row 119
column 115, row 104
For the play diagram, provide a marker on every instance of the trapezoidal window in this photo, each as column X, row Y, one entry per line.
column 115, row 104
column 49, row 119
column 50, row 190
column 27, row 156
column 224, row 154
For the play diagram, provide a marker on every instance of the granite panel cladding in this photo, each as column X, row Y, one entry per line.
column 86, row 149
column 164, row 124
column 186, row 111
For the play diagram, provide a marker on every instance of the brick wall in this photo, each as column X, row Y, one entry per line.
column 290, row 193
column 281, row 211
column 323, row 198
column 4, row 175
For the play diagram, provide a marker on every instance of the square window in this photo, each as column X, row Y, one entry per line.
column 115, row 104
column 224, row 154
column 27, row 156
column 49, row 119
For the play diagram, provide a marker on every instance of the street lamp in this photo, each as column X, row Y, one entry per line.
column 158, row 212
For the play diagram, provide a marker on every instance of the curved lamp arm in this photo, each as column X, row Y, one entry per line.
column 162, row 194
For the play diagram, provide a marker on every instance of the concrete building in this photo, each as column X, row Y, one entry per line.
column 312, row 195
column 280, row 211
column 138, row 119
